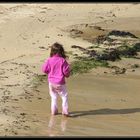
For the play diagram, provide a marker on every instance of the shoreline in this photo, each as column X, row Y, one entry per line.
column 108, row 100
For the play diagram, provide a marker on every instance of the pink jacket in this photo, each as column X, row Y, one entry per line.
column 57, row 69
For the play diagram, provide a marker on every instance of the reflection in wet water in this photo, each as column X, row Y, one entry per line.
column 52, row 125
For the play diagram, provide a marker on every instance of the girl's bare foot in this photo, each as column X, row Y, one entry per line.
column 66, row 115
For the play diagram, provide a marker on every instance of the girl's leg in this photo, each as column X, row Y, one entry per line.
column 64, row 97
column 54, row 108
column 54, row 95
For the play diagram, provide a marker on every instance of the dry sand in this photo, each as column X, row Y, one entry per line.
column 101, row 104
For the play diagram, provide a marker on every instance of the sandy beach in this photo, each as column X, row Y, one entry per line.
column 101, row 102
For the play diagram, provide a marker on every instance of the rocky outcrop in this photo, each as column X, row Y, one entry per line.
column 121, row 34
column 111, row 54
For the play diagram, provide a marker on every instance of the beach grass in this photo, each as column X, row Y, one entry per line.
column 84, row 65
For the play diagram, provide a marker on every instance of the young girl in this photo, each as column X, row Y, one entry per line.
column 57, row 69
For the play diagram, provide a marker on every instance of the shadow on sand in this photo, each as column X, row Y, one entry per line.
column 105, row 111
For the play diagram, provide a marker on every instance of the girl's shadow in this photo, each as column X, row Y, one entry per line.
column 104, row 111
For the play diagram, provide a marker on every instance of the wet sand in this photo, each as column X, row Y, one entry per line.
column 100, row 105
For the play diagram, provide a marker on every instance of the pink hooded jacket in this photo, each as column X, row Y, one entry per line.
column 57, row 69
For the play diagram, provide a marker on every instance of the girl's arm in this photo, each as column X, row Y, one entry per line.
column 45, row 67
column 66, row 69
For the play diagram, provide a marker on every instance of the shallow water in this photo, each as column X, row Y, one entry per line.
column 99, row 106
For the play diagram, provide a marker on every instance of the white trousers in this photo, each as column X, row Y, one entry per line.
column 55, row 91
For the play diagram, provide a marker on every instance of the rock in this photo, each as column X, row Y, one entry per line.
column 23, row 114
column 118, row 70
column 135, row 66
column 128, row 51
column 103, row 38
column 100, row 39
column 98, row 28
column 42, row 47
column 121, row 34
column 79, row 47
column 112, row 55
column 75, row 31
column 137, row 47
